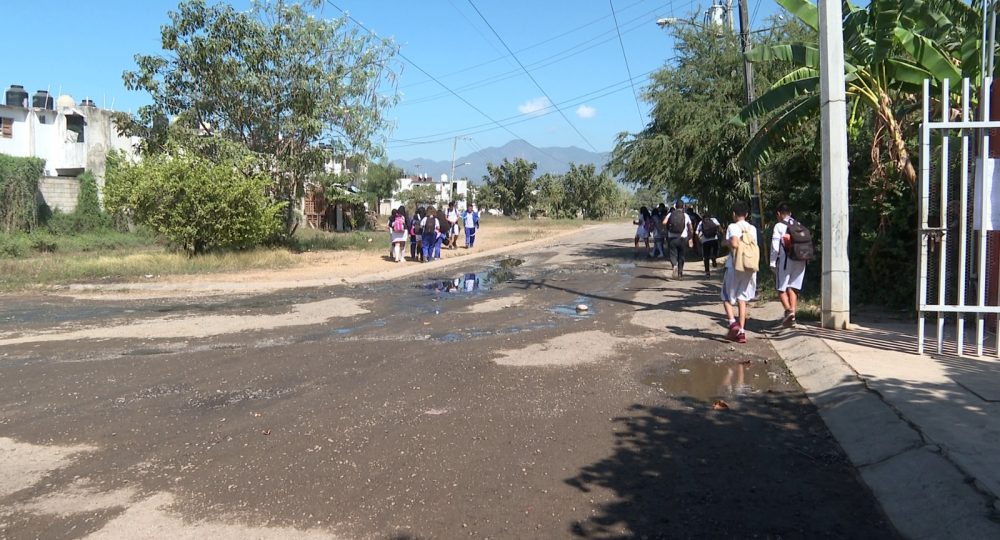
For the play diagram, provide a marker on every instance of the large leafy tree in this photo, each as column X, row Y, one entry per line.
column 511, row 184
column 689, row 147
column 275, row 79
column 382, row 179
column 890, row 47
column 587, row 192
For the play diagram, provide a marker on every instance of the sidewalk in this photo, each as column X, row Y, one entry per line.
column 924, row 431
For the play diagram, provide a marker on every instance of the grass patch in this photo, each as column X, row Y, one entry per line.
column 112, row 267
column 314, row 240
column 19, row 245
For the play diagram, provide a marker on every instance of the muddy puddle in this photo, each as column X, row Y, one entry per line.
column 720, row 379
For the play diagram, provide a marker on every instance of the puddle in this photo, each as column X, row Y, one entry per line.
column 569, row 310
column 468, row 283
column 707, row 379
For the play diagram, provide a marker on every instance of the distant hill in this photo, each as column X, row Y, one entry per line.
column 554, row 160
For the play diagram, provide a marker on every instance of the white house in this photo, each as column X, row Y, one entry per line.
column 71, row 139
column 445, row 191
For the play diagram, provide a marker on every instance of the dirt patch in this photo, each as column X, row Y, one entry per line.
column 151, row 518
column 24, row 464
column 496, row 304
column 80, row 496
column 564, row 350
column 319, row 269
column 209, row 325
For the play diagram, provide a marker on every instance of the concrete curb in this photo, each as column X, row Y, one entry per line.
column 923, row 493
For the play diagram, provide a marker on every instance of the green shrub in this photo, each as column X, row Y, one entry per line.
column 199, row 205
column 18, row 184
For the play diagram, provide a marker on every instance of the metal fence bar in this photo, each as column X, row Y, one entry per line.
column 943, row 213
column 963, row 219
column 984, row 106
column 924, row 190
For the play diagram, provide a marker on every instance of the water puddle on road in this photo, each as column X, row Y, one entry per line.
column 572, row 310
column 726, row 379
column 492, row 278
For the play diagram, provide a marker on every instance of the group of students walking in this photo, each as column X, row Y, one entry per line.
column 430, row 229
column 791, row 248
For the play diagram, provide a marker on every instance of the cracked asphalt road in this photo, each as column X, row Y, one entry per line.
column 463, row 401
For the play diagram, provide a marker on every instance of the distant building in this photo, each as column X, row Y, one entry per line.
column 71, row 138
column 446, row 191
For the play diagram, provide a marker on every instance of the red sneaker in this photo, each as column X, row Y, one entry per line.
column 741, row 337
column 734, row 329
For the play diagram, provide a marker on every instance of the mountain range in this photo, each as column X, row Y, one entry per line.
column 553, row 160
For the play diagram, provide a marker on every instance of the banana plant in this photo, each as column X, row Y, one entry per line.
column 890, row 47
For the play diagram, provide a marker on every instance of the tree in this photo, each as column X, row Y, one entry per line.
column 382, row 180
column 588, row 193
column 419, row 195
column 889, row 49
column 275, row 79
column 690, row 145
column 199, row 204
column 550, row 196
column 511, row 184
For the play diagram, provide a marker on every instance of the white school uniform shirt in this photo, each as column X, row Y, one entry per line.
column 735, row 230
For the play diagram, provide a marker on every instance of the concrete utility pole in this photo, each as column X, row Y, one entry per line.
column 757, row 213
column 836, row 284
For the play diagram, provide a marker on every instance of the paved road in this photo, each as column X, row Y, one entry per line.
column 461, row 402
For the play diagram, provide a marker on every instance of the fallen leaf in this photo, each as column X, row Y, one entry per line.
column 266, row 432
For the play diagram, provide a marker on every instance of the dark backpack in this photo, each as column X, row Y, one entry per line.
column 676, row 222
column 429, row 225
column 801, row 248
column 709, row 228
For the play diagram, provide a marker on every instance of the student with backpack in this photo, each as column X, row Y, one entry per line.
column 708, row 236
column 739, row 285
column 791, row 249
column 642, row 231
column 415, row 242
column 680, row 234
column 658, row 230
column 397, row 234
column 470, row 222
column 430, row 233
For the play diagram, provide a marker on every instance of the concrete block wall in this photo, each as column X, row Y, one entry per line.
column 59, row 192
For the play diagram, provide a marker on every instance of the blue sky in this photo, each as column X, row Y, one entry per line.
column 570, row 47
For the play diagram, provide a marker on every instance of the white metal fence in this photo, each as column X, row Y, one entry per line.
column 954, row 213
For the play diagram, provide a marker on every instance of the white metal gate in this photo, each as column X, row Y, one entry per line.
column 954, row 216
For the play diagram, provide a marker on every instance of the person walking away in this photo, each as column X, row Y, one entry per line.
column 739, row 285
column 680, row 234
column 657, row 231
column 641, row 231
column 429, row 226
column 415, row 243
column 453, row 218
column 397, row 234
column 470, row 222
column 443, row 232
column 708, row 235
column 788, row 261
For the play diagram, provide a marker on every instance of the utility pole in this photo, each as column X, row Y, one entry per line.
column 836, row 282
column 756, row 212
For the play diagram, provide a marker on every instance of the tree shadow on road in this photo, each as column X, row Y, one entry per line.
column 765, row 468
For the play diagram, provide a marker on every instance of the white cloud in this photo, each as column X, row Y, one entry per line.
column 534, row 106
column 584, row 111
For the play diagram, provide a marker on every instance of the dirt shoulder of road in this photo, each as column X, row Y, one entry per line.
column 326, row 268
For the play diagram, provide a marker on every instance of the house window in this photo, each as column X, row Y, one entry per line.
column 74, row 124
column 7, row 128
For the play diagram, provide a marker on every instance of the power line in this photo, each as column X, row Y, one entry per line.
column 560, row 56
column 530, row 76
column 628, row 69
column 435, row 79
column 595, row 94
column 543, row 42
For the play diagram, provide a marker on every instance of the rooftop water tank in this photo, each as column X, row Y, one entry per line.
column 65, row 102
column 87, row 103
column 42, row 100
column 17, row 96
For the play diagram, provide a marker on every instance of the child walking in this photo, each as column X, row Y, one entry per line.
column 739, row 285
